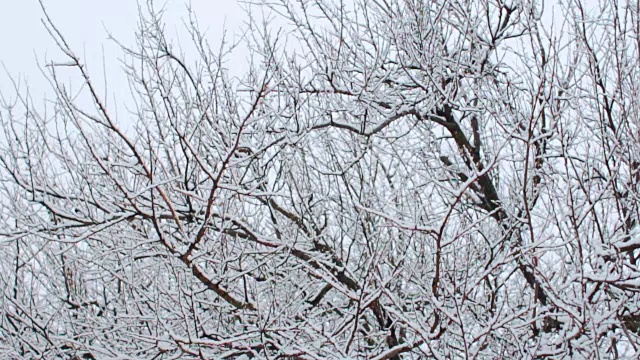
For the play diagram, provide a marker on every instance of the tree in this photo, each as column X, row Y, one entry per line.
column 388, row 180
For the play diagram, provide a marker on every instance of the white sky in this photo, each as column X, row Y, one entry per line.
column 84, row 23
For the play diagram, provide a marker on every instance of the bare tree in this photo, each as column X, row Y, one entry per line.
column 388, row 180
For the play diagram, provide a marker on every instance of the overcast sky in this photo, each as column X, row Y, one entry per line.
column 85, row 23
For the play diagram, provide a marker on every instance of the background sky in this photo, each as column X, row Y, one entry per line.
column 25, row 44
